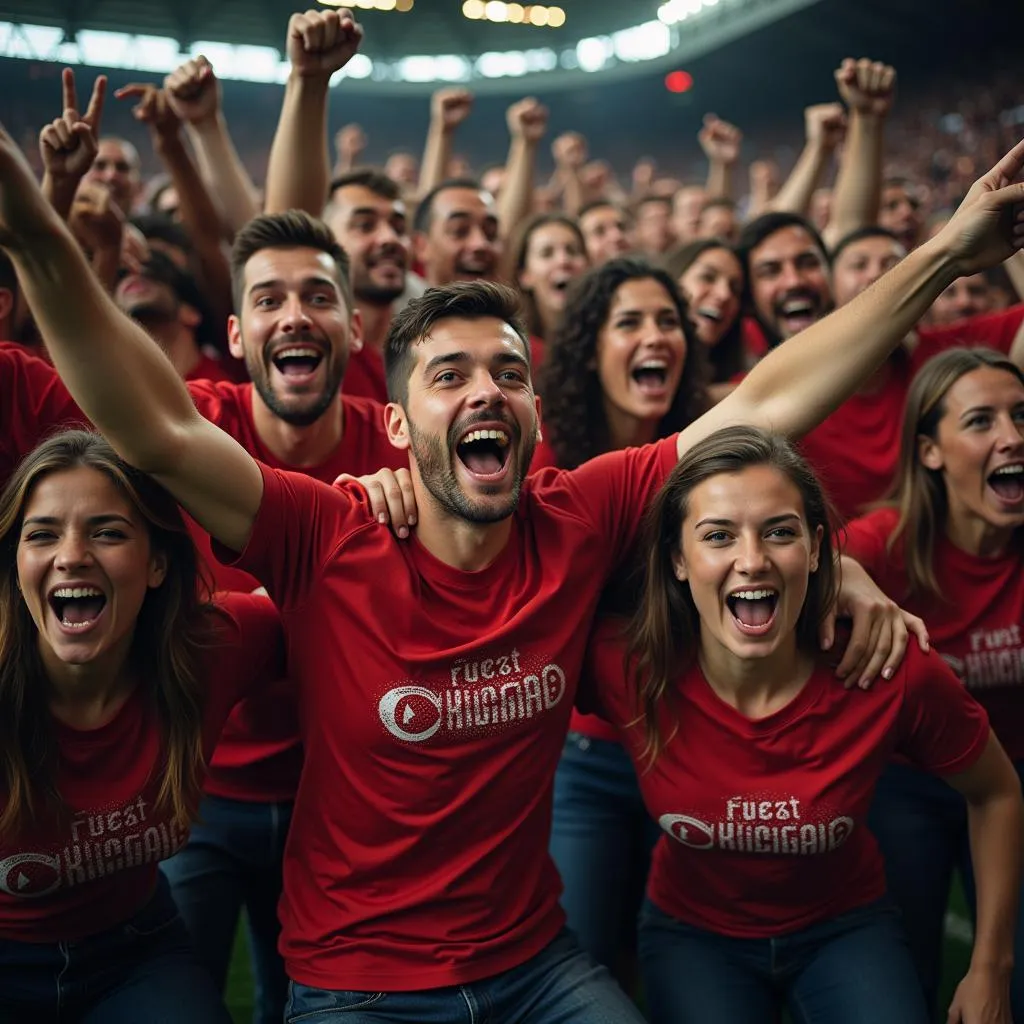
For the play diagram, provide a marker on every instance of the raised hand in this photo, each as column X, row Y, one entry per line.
column 193, row 91
column 527, row 119
column 644, row 171
column 825, row 124
column 322, row 42
column 764, row 175
column 450, row 107
column 570, row 150
column 988, row 226
column 96, row 220
column 720, row 140
column 68, row 145
column 153, row 107
column 867, row 87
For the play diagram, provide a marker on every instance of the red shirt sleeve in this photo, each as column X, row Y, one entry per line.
column 603, row 682
column 866, row 538
column 941, row 726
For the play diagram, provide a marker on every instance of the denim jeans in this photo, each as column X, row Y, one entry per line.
column 233, row 859
column 560, row 985
column 921, row 826
column 854, row 969
column 141, row 972
column 601, row 843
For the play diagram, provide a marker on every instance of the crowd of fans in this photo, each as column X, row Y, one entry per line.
column 528, row 498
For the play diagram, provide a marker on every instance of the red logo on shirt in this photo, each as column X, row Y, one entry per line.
column 29, row 875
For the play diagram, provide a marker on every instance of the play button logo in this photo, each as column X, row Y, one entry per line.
column 412, row 713
column 692, row 832
column 29, row 875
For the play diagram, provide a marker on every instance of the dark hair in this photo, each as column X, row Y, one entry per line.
column 597, row 204
column 663, row 634
column 728, row 357
column 425, row 209
column 370, row 178
column 574, row 412
column 8, row 276
column 919, row 493
column 160, row 226
column 464, row 300
column 718, row 201
column 858, row 235
column 293, row 229
column 517, row 262
column 173, row 626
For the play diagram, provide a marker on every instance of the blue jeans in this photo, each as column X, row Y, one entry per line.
column 233, row 859
column 921, row 826
column 854, row 969
column 560, row 985
column 141, row 971
column 601, row 843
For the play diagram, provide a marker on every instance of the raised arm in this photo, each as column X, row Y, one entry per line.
column 721, row 143
column 527, row 123
column 448, row 109
column 825, row 125
column 194, row 95
column 803, row 380
column 570, row 153
column 298, row 175
column 867, row 87
column 121, row 380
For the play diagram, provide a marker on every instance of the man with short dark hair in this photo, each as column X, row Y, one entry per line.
column 652, row 229
column 718, row 219
column 455, row 233
column 367, row 215
column 605, row 227
column 900, row 211
column 117, row 167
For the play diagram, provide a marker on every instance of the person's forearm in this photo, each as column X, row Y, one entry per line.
column 120, row 378
column 298, row 174
column 996, row 827
column 60, row 193
column 858, row 191
column 803, row 380
column 223, row 172
column 516, row 198
column 719, row 183
column 106, row 265
column 795, row 194
column 436, row 155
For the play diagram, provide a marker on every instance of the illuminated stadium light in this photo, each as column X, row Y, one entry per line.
column 402, row 6
column 500, row 12
column 556, row 17
column 473, row 9
column 539, row 16
column 643, row 42
column 496, row 10
column 516, row 13
column 594, row 53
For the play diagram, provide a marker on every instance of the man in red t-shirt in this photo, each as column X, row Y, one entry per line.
column 436, row 677
column 367, row 215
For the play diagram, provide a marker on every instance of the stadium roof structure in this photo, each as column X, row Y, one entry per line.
column 411, row 46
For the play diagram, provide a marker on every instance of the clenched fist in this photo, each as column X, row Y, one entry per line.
column 720, row 140
column 527, row 119
column 825, row 124
column 450, row 107
column 570, row 150
column 322, row 42
column 193, row 91
column 866, row 87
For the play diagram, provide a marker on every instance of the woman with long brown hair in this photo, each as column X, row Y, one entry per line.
column 116, row 675
column 766, row 888
column 949, row 545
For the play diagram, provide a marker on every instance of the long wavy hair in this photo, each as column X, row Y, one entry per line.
column 663, row 635
column 727, row 358
column 574, row 410
column 919, row 494
column 174, row 623
column 518, row 251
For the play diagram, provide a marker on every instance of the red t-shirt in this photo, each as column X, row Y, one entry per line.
column 34, row 405
column 62, row 880
column 765, row 820
column 979, row 629
column 365, row 377
column 995, row 330
column 259, row 756
column 435, row 705
column 854, row 451
column 210, row 369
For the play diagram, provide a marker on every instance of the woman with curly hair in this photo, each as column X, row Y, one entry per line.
column 548, row 254
column 624, row 369
column 116, row 677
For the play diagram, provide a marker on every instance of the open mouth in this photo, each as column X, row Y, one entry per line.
column 298, row 362
column 753, row 610
column 485, row 453
column 77, row 608
column 708, row 313
column 651, row 376
column 1008, row 483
